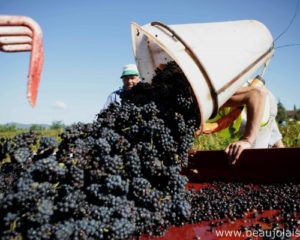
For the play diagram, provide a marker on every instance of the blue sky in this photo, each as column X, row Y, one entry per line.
column 87, row 43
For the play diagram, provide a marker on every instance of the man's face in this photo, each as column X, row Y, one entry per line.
column 130, row 81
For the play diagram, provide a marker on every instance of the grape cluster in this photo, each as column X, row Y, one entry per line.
column 15, row 155
column 114, row 178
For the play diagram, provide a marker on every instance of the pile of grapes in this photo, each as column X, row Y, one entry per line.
column 119, row 176
column 111, row 179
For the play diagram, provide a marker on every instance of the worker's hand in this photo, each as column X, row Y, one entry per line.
column 235, row 149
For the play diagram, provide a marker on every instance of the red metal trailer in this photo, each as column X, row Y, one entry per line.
column 256, row 166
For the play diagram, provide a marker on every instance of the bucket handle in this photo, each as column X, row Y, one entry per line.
column 189, row 50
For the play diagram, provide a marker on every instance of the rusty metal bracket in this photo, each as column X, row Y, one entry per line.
column 19, row 34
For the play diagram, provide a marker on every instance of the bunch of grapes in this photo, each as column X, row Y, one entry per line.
column 16, row 154
column 111, row 179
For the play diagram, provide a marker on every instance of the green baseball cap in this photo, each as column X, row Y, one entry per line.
column 130, row 69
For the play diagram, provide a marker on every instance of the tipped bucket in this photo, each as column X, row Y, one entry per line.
column 216, row 58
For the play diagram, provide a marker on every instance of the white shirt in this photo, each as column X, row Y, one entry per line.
column 113, row 97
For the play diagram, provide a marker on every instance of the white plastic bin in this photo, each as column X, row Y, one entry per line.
column 216, row 58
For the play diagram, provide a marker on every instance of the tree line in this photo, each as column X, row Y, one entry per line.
column 12, row 127
column 283, row 115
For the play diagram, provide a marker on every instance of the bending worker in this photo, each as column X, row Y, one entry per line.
column 130, row 77
column 250, row 112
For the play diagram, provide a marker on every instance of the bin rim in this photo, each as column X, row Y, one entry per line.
column 135, row 27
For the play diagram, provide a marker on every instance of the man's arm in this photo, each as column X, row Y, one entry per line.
column 254, row 99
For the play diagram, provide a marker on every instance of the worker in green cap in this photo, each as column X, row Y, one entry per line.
column 130, row 77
